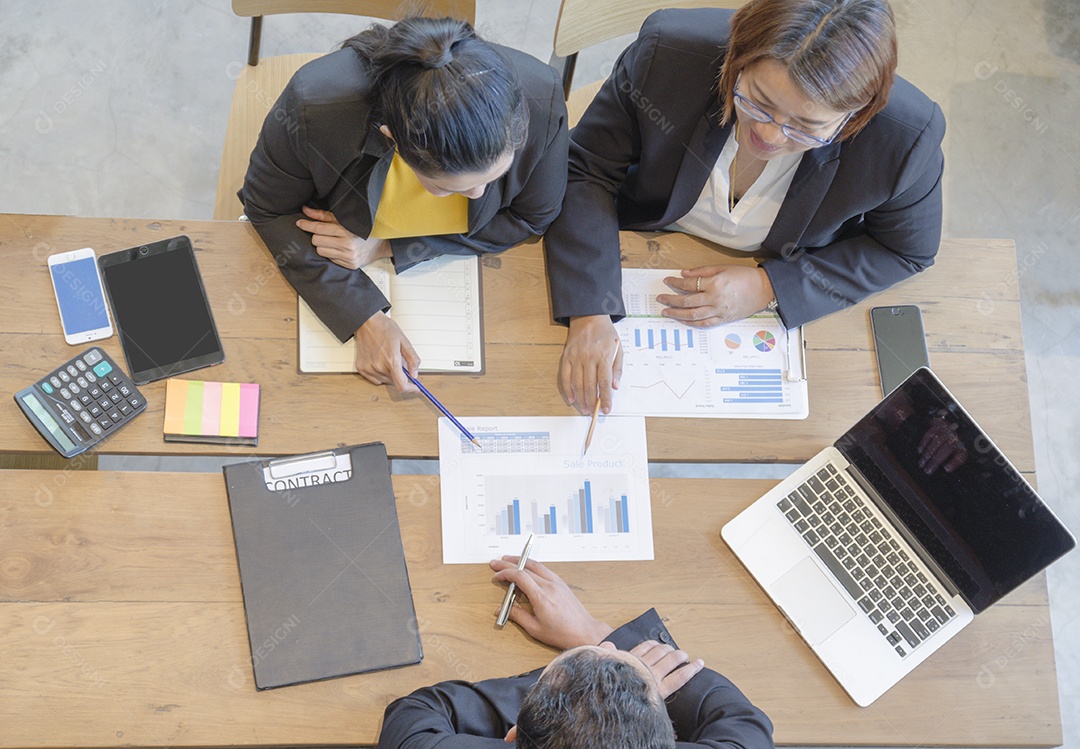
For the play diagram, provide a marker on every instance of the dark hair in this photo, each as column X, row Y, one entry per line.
column 841, row 53
column 451, row 101
column 590, row 699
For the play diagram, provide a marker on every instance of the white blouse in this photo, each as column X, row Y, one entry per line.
column 746, row 227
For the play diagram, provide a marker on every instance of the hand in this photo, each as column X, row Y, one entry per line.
column 382, row 350
column 557, row 617
column 727, row 293
column 336, row 243
column 665, row 661
column 591, row 363
column 940, row 446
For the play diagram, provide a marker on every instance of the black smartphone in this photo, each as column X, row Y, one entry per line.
column 899, row 342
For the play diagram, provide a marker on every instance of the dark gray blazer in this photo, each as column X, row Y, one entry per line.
column 709, row 711
column 860, row 215
column 320, row 146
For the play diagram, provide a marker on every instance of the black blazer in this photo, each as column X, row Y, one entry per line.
column 859, row 216
column 708, row 711
column 320, row 146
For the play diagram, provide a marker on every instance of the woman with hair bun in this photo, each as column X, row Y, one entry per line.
column 778, row 130
column 412, row 141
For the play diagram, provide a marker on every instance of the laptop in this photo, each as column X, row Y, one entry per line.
column 885, row 545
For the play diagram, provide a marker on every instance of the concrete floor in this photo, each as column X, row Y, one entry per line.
column 118, row 108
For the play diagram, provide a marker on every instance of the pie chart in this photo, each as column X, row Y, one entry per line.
column 764, row 341
column 732, row 340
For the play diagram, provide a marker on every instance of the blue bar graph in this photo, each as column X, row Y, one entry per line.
column 594, row 505
column 675, row 339
column 753, row 386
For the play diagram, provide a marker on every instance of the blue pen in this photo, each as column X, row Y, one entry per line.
column 441, row 407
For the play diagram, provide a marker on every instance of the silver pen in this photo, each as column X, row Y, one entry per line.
column 511, row 592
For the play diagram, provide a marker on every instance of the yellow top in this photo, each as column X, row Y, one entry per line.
column 406, row 209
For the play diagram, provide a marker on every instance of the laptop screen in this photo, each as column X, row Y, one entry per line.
column 957, row 494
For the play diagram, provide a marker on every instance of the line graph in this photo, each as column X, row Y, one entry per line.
column 674, row 392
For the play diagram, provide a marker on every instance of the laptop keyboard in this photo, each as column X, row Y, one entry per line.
column 869, row 562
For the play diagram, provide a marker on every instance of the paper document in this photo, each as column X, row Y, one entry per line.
column 749, row 369
column 530, row 477
column 437, row 304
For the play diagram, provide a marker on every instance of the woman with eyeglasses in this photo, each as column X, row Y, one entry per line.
column 779, row 130
column 412, row 141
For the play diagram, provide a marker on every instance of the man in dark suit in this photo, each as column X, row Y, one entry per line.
column 636, row 689
column 809, row 82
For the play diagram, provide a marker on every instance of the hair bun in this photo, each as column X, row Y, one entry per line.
column 442, row 60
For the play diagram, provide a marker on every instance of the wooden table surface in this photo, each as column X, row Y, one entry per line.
column 969, row 299
column 122, row 624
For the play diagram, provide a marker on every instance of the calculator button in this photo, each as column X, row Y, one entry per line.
column 95, row 410
column 105, row 403
column 125, row 409
column 65, row 393
column 115, row 415
column 75, row 405
column 93, row 356
column 85, row 417
column 95, row 392
column 47, row 388
column 90, row 377
column 106, row 385
column 85, row 399
column 124, row 390
column 81, row 382
column 72, row 371
column 105, row 423
column 102, row 368
column 64, row 377
column 80, row 365
column 116, row 379
column 135, row 402
column 55, row 382
column 75, row 388
column 95, row 429
column 114, row 397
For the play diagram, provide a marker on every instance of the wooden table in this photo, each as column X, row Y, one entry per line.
column 970, row 301
column 122, row 624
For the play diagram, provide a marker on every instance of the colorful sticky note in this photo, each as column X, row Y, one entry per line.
column 214, row 410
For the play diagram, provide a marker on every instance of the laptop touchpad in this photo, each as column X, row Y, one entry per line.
column 810, row 600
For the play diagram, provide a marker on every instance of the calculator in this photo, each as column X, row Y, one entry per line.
column 81, row 403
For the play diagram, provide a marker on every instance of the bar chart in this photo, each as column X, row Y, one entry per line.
column 515, row 508
column 531, row 477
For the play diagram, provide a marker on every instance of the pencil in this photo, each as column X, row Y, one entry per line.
column 596, row 408
column 442, row 408
column 511, row 592
column 592, row 425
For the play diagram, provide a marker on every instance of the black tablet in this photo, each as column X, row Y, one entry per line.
column 160, row 309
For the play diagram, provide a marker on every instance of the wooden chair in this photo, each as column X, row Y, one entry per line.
column 583, row 23
column 258, row 86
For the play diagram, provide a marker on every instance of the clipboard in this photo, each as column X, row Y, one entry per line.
column 322, row 568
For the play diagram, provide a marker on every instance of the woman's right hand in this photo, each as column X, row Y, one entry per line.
column 382, row 350
column 591, row 363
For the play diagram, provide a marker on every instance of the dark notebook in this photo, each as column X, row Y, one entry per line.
column 326, row 591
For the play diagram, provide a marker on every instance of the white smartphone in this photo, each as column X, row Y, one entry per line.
column 76, row 280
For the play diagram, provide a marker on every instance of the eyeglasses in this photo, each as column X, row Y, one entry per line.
column 756, row 113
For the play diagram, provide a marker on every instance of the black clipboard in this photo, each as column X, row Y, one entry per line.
column 322, row 568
